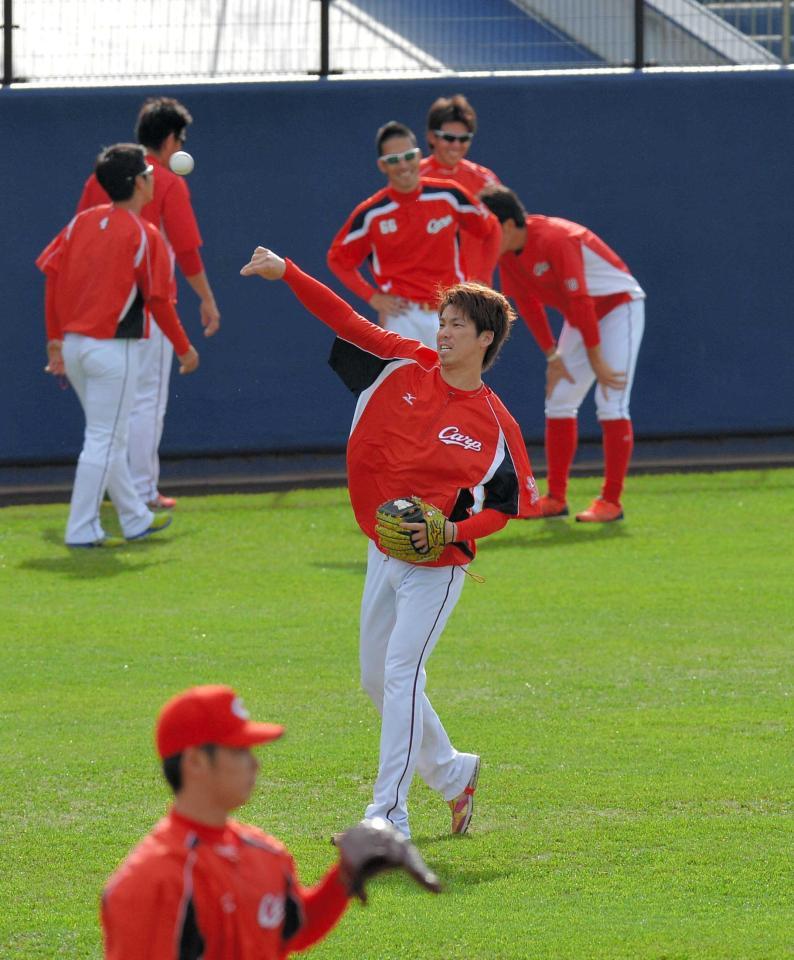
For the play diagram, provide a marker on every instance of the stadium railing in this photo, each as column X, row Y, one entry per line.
column 65, row 42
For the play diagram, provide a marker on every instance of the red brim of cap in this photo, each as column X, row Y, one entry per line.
column 251, row 734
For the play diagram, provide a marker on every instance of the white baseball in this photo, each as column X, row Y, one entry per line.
column 181, row 162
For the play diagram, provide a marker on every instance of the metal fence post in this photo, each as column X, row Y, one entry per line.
column 639, row 34
column 8, row 45
column 325, row 38
column 325, row 41
column 785, row 31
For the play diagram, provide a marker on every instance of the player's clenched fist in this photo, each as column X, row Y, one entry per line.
column 265, row 263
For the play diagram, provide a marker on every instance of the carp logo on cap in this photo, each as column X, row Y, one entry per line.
column 238, row 709
column 209, row 714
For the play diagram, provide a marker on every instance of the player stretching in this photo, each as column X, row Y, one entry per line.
column 547, row 261
column 409, row 232
column 425, row 425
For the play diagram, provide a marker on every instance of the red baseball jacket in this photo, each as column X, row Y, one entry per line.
column 414, row 434
column 192, row 892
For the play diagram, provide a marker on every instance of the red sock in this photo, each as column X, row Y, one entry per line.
column 561, row 440
column 618, row 438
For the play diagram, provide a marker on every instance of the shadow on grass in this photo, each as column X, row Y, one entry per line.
column 556, row 533
column 93, row 564
column 462, row 872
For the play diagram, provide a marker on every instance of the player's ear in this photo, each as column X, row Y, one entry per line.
column 195, row 762
column 486, row 338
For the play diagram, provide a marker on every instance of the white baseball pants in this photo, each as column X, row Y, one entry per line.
column 403, row 612
column 103, row 374
column 155, row 356
column 416, row 324
column 621, row 334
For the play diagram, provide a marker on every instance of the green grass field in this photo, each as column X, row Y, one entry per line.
column 629, row 688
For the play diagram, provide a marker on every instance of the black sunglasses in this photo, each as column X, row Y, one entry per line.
column 454, row 137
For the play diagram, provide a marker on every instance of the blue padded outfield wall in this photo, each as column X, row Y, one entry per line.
column 688, row 177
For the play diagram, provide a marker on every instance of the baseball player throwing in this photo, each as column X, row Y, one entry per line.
column 409, row 232
column 425, row 425
column 547, row 261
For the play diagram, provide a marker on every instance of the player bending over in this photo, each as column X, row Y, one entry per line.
column 426, row 426
column 547, row 261
column 202, row 886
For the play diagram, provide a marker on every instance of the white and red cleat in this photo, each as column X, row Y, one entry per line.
column 462, row 806
column 600, row 511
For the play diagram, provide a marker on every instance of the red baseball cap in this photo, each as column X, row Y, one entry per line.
column 209, row 714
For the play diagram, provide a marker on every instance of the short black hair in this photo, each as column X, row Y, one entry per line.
column 454, row 109
column 158, row 117
column 392, row 129
column 486, row 308
column 172, row 766
column 117, row 167
column 504, row 204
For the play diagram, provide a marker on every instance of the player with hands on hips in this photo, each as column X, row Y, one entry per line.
column 548, row 261
column 203, row 886
column 451, row 126
column 162, row 129
column 105, row 272
column 408, row 231
column 429, row 436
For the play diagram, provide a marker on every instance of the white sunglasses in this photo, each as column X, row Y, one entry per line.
column 394, row 158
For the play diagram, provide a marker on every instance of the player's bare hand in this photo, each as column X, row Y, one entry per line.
column 264, row 263
column 188, row 361
column 419, row 534
column 609, row 379
column 210, row 317
column 387, row 305
column 55, row 358
column 556, row 371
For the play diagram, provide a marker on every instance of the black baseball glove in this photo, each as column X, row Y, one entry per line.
column 373, row 846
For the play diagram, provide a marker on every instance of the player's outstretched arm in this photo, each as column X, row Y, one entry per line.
column 266, row 264
column 336, row 312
